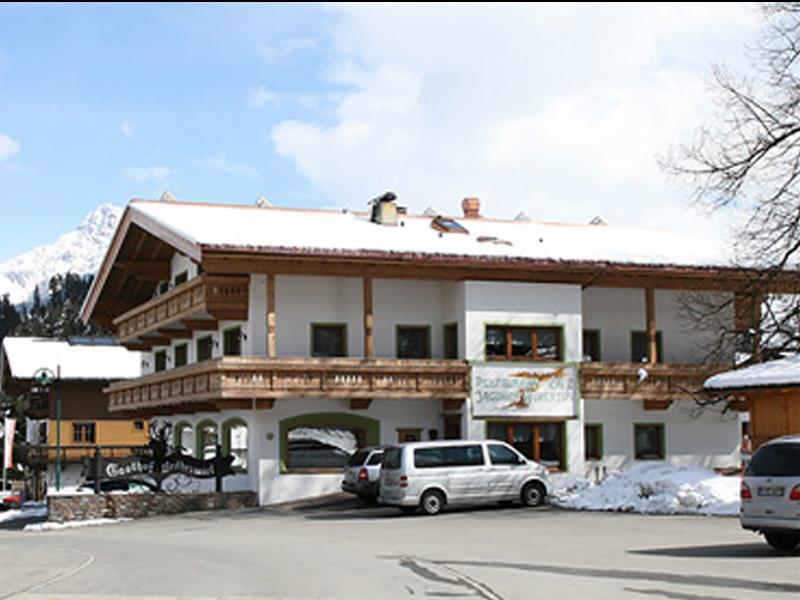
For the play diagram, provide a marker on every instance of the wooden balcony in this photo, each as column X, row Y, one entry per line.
column 243, row 382
column 39, row 456
column 202, row 300
column 655, row 383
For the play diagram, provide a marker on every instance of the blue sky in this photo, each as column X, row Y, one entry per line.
column 556, row 110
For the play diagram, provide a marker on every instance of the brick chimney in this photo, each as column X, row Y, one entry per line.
column 471, row 208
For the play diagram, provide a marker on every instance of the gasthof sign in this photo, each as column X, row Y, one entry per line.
column 525, row 391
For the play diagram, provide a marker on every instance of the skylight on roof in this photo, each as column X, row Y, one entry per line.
column 448, row 225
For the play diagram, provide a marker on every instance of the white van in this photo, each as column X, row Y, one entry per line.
column 429, row 475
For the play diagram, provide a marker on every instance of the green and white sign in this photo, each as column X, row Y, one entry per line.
column 524, row 390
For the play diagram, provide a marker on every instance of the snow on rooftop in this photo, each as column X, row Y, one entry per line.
column 26, row 355
column 346, row 231
column 784, row 371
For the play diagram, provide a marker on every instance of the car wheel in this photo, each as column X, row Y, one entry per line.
column 432, row 502
column 782, row 541
column 532, row 494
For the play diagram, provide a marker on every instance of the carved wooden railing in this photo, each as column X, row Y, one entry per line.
column 218, row 296
column 255, row 378
column 634, row 381
column 39, row 456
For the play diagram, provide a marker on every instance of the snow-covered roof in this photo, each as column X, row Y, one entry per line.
column 26, row 355
column 249, row 227
column 784, row 371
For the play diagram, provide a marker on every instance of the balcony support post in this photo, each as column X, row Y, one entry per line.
column 272, row 347
column 652, row 336
column 369, row 341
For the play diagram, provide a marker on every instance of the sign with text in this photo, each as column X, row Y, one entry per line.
column 524, row 390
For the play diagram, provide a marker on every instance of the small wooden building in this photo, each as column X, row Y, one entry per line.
column 772, row 393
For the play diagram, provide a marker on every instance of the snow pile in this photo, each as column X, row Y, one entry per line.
column 29, row 510
column 653, row 488
column 55, row 526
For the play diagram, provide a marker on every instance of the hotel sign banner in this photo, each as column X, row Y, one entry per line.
column 524, row 390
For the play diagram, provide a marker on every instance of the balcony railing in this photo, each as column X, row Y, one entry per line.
column 39, row 456
column 205, row 296
column 261, row 378
column 633, row 381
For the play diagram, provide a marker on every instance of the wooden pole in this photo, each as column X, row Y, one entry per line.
column 272, row 348
column 369, row 341
column 652, row 335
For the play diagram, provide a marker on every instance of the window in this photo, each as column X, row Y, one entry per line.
column 232, row 342
column 180, row 278
column 523, row 343
column 183, row 438
column 501, row 455
column 413, row 341
column 207, row 436
column 542, row 442
column 593, row 441
column 639, row 346
column 138, row 425
column 322, row 447
column 181, row 355
column 448, row 456
column 776, row 460
column 392, row 458
column 409, row 434
column 648, row 441
column 452, row 427
column 83, row 433
column 328, row 340
column 205, row 348
column 234, row 442
column 451, row 341
column 591, row 344
column 161, row 360
column 447, row 225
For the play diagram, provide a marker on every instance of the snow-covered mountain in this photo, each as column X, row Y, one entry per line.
column 79, row 251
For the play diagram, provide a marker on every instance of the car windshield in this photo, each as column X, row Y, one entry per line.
column 359, row 458
column 775, row 460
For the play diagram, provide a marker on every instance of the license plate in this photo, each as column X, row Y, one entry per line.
column 770, row 491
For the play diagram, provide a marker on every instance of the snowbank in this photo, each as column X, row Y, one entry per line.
column 29, row 510
column 652, row 488
column 55, row 526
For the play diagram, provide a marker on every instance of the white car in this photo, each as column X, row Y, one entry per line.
column 770, row 493
column 362, row 473
column 429, row 475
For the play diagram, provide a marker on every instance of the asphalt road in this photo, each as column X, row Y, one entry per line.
column 346, row 552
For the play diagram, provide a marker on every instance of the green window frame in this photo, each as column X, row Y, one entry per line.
column 450, row 341
column 232, row 341
column 199, row 433
column 370, row 427
column 181, row 355
column 401, row 329
column 160, row 361
column 227, row 427
column 205, row 348
column 644, row 454
column 592, row 346
column 506, row 334
column 322, row 352
column 639, row 340
column 595, row 450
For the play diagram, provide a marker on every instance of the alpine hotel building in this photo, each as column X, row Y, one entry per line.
column 293, row 336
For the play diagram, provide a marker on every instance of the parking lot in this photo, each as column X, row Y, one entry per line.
column 343, row 551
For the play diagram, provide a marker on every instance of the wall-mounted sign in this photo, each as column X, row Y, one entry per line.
column 524, row 390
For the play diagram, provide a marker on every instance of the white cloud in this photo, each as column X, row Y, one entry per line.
column 153, row 173
column 261, row 96
column 8, row 147
column 558, row 110
column 285, row 48
column 220, row 162
column 128, row 129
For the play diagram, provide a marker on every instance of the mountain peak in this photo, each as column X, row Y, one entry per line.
column 79, row 251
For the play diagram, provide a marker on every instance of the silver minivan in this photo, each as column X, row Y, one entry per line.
column 770, row 493
column 429, row 475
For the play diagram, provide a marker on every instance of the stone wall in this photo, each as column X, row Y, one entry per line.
column 80, row 507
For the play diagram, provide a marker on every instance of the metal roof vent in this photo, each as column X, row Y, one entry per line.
column 168, row 197
column 430, row 212
column 384, row 209
column 522, row 218
column 262, row 202
column 598, row 221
